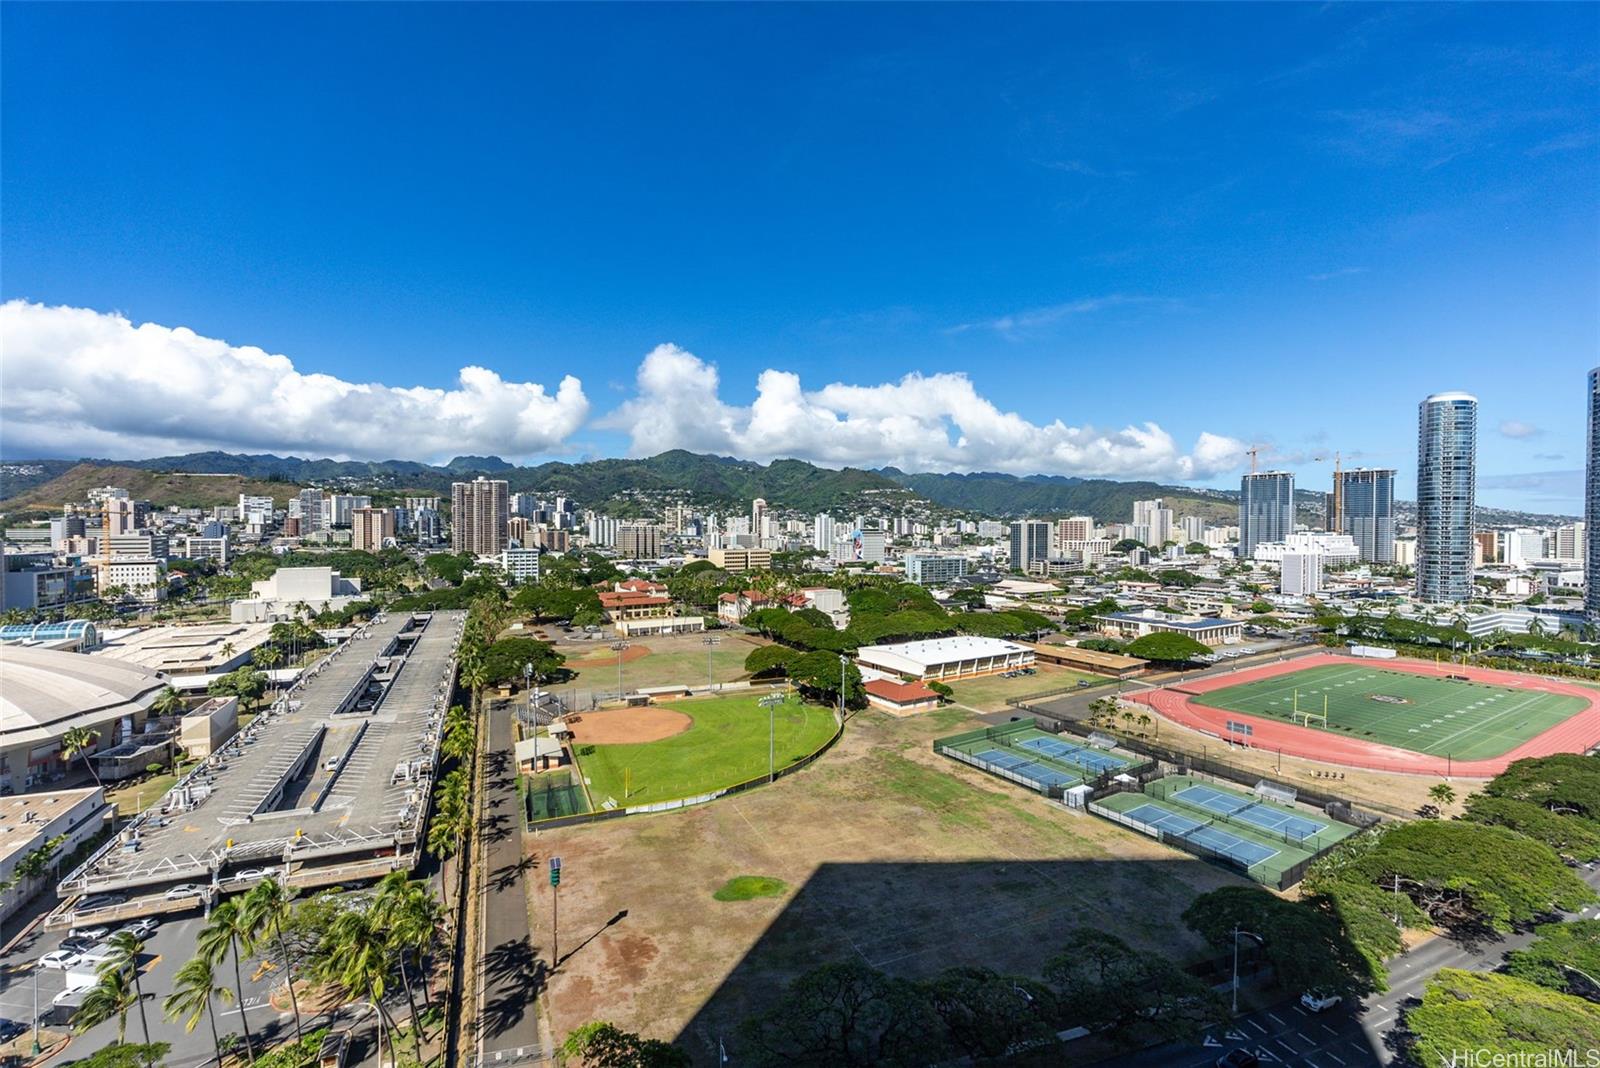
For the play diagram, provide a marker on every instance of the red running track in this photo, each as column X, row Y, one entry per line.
column 1573, row 735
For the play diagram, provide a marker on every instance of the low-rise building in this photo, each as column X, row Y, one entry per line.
column 34, row 582
column 203, row 730
column 292, row 592
column 740, row 560
column 900, row 698
column 961, row 657
column 935, row 569
column 1129, row 625
column 29, row 821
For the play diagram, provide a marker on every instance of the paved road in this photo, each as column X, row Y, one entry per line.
column 1355, row 1037
column 514, row 973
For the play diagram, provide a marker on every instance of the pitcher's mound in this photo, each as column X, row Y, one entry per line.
column 626, row 726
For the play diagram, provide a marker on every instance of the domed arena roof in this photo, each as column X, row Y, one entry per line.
column 46, row 692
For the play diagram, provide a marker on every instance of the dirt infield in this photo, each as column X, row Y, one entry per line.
column 1575, row 735
column 626, row 726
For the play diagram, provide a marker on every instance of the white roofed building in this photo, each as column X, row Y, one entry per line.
column 961, row 657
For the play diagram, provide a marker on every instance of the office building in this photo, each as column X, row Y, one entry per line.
column 1266, row 509
column 1366, row 512
column 738, row 560
column 638, row 541
column 524, row 504
column 1591, row 599
column 255, row 511
column 64, row 527
column 1030, row 541
column 341, row 506
column 1300, row 574
column 417, row 504
column 520, row 565
column 479, row 510
column 371, row 527
column 758, row 515
column 35, row 582
column 935, row 569
column 1447, row 449
column 874, row 546
column 1569, row 542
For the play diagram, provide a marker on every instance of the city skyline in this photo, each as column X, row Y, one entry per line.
column 1090, row 263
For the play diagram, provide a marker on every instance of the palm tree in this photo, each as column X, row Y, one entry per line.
column 226, row 931
column 460, row 734
column 112, row 996
column 77, row 741
column 409, row 912
column 475, row 673
column 193, row 989
column 125, row 949
column 1443, row 793
column 265, row 908
column 228, row 649
column 269, row 657
column 167, row 702
column 357, row 958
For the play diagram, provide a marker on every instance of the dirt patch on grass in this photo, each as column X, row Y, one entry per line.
column 627, row 726
column 604, row 654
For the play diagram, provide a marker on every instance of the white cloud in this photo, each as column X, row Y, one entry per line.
column 89, row 383
column 1017, row 323
column 1516, row 428
column 920, row 423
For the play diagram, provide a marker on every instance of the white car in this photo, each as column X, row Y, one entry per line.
column 61, row 959
column 185, row 890
column 254, row 875
column 140, row 929
column 89, row 934
column 1316, row 1002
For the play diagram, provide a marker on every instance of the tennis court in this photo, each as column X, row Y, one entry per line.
column 1256, row 813
column 1227, row 843
column 1426, row 714
column 1084, row 757
column 1043, row 774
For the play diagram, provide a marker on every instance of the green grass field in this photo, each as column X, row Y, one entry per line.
column 989, row 693
column 727, row 744
column 1467, row 721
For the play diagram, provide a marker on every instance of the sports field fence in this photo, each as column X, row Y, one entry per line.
column 1339, row 808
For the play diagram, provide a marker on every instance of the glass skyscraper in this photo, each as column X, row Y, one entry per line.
column 1447, row 455
column 1366, row 512
column 1591, row 575
column 1266, row 509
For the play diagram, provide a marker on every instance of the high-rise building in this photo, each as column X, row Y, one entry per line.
column 480, row 510
column 371, row 527
column 1591, row 598
column 310, row 511
column 874, row 546
column 1077, row 528
column 1569, row 542
column 822, row 532
column 1300, row 574
column 758, row 512
column 1193, row 529
column 638, row 541
column 1447, row 454
column 1367, row 511
column 1153, row 519
column 342, row 505
column 1030, row 541
column 255, row 511
column 524, row 504
column 935, row 569
column 1266, row 509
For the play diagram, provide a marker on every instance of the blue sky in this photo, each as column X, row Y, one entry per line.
column 738, row 229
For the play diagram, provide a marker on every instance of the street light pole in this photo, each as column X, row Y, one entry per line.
column 770, row 702
column 1236, row 933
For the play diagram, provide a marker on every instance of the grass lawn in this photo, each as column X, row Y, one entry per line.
column 727, row 744
column 668, row 661
column 134, row 797
column 1465, row 720
column 892, row 855
column 990, row 693
column 750, row 887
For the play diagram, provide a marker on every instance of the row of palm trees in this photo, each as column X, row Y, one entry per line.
column 354, row 957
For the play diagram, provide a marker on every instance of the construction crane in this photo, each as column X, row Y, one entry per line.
column 1253, row 452
column 1336, row 505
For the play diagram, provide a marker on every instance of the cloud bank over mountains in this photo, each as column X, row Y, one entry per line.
column 81, row 382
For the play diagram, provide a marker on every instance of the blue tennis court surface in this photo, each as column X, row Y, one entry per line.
column 1163, row 819
column 1252, row 812
column 1212, row 837
column 1230, row 844
column 1073, row 754
column 1020, row 765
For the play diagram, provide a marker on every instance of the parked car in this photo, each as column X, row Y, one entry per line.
column 1319, row 1002
column 92, row 935
column 76, row 945
column 255, row 875
column 141, row 929
column 184, row 890
column 101, row 901
column 1238, row 1058
column 60, row 959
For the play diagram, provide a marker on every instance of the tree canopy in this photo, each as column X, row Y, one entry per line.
column 1501, row 1013
column 1561, row 947
column 504, row 660
column 1166, row 647
column 1305, row 941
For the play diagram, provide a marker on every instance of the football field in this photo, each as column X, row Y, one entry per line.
column 1441, row 717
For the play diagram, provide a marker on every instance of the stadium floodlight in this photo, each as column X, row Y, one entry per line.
column 620, row 647
column 711, row 644
column 770, row 702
